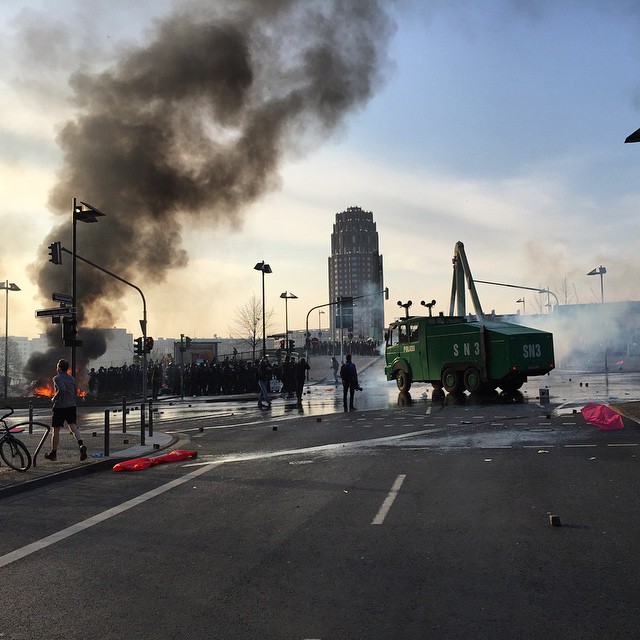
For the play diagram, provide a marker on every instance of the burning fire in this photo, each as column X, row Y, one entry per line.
column 46, row 391
column 43, row 391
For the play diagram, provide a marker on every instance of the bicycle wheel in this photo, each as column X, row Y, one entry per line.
column 15, row 454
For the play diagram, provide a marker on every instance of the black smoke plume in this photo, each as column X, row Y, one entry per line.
column 193, row 126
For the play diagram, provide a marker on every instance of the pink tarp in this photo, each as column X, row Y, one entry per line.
column 602, row 417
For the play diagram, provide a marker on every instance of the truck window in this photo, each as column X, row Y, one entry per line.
column 392, row 336
column 413, row 332
column 404, row 337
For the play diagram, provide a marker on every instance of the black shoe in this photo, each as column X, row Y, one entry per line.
column 83, row 452
column 260, row 405
column 352, row 408
column 51, row 455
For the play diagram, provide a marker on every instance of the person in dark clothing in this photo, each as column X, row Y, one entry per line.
column 349, row 376
column 301, row 373
column 264, row 375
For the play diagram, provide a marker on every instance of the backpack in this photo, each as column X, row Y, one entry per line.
column 346, row 372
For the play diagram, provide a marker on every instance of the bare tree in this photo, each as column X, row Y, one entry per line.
column 566, row 295
column 248, row 323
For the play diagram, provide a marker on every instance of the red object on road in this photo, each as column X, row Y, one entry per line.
column 137, row 464
column 173, row 456
column 602, row 417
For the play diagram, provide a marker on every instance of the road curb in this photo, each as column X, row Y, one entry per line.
column 74, row 472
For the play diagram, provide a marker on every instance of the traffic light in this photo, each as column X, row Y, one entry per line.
column 138, row 349
column 70, row 332
column 148, row 344
column 291, row 343
column 386, row 293
column 55, row 253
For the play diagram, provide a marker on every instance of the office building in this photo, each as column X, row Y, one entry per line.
column 355, row 271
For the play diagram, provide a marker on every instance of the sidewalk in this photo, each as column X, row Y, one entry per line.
column 122, row 446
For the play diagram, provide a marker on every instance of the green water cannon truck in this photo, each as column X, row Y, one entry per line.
column 465, row 353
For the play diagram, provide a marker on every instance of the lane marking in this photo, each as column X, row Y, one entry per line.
column 58, row 536
column 201, row 468
column 388, row 501
column 622, row 444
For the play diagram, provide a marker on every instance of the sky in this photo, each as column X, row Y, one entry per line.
column 498, row 123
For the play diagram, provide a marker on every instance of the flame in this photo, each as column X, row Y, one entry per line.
column 43, row 391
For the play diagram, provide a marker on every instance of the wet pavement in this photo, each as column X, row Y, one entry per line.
column 523, row 419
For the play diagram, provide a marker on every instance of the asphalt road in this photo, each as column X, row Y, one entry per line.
column 415, row 521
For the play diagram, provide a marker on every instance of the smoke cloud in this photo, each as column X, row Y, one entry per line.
column 193, row 126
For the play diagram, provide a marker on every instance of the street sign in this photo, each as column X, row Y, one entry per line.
column 59, row 311
column 62, row 297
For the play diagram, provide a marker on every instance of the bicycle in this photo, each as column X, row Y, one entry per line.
column 13, row 451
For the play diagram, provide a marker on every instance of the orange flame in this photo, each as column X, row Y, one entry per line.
column 43, row 391
column 47, row 391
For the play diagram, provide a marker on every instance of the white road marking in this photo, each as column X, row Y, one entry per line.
column 388, row 501
column 58, row 536
column 203, row 467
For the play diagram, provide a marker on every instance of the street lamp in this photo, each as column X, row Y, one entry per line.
column 320, row 313
column 287, row 296
column 264, row 268
column 85, row 213
column 7, row 286
column 634, row 137
column 599, row 271
column 524, row 312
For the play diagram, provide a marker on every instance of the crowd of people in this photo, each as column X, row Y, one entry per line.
column 228, row 376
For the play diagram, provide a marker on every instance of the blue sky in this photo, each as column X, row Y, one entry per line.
column 498, row 124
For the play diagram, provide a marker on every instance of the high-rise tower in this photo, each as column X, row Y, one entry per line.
column 355, row 269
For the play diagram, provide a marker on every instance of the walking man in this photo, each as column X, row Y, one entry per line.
column 349, row 376
column 64, row 410
column 301, row 373
column 264, row 375
column 335, row 366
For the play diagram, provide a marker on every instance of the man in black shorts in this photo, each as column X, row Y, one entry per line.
column 64, row 410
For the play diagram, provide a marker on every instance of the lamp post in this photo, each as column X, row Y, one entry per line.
column 7, row 286
column 599, row 271
column 523, row 305
column 85, row 213
column 320, row 314
column 287, row 296
column 264, row 268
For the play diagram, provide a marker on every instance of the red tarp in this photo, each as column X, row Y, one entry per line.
column 138, row 464
column 602, row 417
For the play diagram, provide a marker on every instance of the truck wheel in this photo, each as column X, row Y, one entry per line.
column 472, row 380
column 451, row 380
column 403, row 380
column 512, row 386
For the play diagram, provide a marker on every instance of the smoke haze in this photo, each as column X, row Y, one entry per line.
column 193, row 126
column 190, row 128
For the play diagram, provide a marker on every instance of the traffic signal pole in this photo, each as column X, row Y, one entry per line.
column 307, row 335
column 143, row 322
